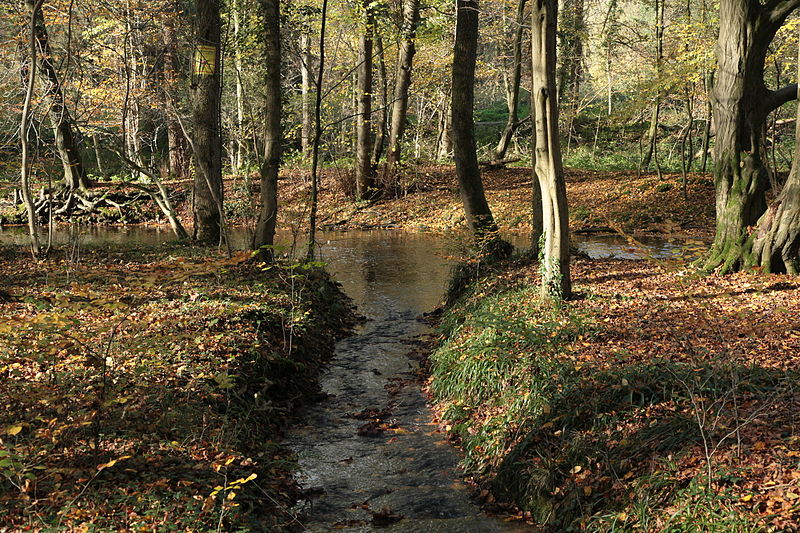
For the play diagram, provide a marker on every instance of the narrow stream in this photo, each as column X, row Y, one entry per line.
column 370, row 456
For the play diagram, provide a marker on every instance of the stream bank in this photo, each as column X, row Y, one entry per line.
column 656, row 400
column 145, row 387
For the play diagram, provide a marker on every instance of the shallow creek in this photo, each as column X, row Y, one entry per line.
column 370, row 455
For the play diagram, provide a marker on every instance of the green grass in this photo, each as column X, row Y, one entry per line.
column 583, row 444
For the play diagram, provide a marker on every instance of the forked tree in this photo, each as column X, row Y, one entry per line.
column 741, row 103
column 405, row 63
column 64, row 130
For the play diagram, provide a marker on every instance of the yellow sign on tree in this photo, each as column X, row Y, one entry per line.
column 205, row 60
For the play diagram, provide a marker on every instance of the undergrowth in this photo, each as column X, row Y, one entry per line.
column 145, row 389
column 578, row 442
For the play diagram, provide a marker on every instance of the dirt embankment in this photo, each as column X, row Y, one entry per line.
column 599, row 201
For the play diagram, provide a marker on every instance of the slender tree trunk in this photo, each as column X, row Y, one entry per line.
column 208, row 191
column 709, row 83
column 476, row 208
column 267, row 216
column 403, row 80
column 446, row 142
column 305, row 87
column 98, row 155
column 64, row 129
column 556, row 282
column 570, row 64
column 365, row 176
column 33, row 225
column 514, row 82
column 312, row 219
column 179, row 159
column 238, row 158
column 380, row 136
column 652, row 135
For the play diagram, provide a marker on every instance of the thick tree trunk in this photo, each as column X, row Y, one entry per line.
column 775, row 246
column 365, row 175
column 267, row 216
column 741, row 103
column 556, row 282
column 64, row 129
column 513, row 93
column 403, row 81
column 476, row 208
column 208, row 193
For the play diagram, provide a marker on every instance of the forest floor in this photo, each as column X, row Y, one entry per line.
column 428, row 200
column 656, row 400
column 144, row 389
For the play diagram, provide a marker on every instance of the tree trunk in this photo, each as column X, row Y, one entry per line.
column 208, row 192
column 365, row 176
column 312, row 217
column 239, row 144
column 446, row 141
column 305, row 102
column 30, row 208
column 776, row 242
column 380, row 135
column 555, row 224
column 403, row 80
column 513, row 93
column 570, row 56
column 476, row 208
column 652, row 135
column 64, row 129
column 741, row 103
column 176, row 142
column 267, row 217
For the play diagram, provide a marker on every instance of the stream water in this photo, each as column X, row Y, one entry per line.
column 370, row 454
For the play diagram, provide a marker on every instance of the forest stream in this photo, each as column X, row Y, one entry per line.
column 369, row 452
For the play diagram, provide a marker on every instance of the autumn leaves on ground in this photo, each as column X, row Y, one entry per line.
column 142, row 389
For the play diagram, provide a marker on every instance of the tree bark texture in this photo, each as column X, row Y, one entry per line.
column 403, row 80
column 208, row 193
column 775, row 246
column 63, row 126
column 365, row 175
column 556, row 282
column 741, row 103
column 267, row 216
column 476, row 208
